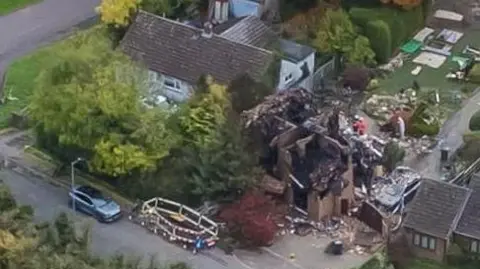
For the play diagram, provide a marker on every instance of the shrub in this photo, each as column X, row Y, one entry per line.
column 250, row 218
column 398, row 31
column 361, row 16
column 469, row 151
column 380, row 38
column 356, row 77
column 421, row 129
column 393, row 155
column 401, row 23
column 474, row 123
column 474, row 74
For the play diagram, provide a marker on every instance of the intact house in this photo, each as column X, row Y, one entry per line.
column 442, row 214
column 177, row 55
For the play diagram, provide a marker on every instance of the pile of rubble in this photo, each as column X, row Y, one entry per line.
column 294, row 105
column 389, row 191
column 381, row 107
column 355, row 236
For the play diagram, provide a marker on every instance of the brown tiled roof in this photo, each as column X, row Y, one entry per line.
column 252, row 31
column 436, row 207
column 180, row 51
column 469, row 223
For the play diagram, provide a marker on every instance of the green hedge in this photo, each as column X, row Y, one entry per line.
column 401, row 24
column 378, row 30
column 474, row 75
column 474, row 123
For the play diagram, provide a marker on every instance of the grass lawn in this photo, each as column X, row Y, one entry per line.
column 21, row 75
column 20, row 81
column 7, row 6
column 430, row 77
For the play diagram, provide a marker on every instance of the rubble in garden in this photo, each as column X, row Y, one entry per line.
column 355, row 235
column 382, row 107
column 318, row 160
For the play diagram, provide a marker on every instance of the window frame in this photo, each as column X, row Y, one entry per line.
column 475, row 243
column 424, row 241
column 172, row 84
column 288, row 78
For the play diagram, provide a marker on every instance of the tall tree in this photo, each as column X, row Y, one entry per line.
column 336, row 34
column 201, row 116
column 90, row 99
column 245, row 93
column 117, row 12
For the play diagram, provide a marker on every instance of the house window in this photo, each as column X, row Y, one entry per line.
column 474, row 246
column 424, row 241
column 172, row 84
column 288, row 78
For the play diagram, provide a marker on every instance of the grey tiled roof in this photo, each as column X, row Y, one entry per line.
column 293, row 51
column 436, row 208
column 180, row 51
column 252, row 31
column 469, row 223
column 222, row 27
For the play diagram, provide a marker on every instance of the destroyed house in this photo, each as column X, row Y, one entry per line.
column 319, row 175
column 443, row 214
column 314, row 168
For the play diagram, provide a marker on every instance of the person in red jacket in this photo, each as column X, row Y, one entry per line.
column 360, row 126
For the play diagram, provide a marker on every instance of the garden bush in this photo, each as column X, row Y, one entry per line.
column 356, row 77
column 421, row 129
column 380, row 38
column 401, row 23
column 469, row 151
column 474, row 74
column 474, row 123
column 250, row 218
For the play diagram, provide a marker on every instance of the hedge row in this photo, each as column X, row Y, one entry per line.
column 400, row 26
column 381, row 39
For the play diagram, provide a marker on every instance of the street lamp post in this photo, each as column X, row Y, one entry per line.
column 72, row 168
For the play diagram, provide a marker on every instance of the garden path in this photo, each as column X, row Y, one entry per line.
column 451, row 135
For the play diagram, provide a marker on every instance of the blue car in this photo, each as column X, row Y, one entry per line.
column 92, row 202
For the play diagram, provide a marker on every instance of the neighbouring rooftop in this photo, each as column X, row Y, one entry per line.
column 436, row 207
column 181, row 51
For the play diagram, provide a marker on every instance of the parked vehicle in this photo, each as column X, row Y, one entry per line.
column 92, row 202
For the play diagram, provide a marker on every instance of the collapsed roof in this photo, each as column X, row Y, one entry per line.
column 293, row 105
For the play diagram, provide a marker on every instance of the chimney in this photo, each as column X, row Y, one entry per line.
column 207, row 30
column 221, row 11
column 217, row 11
column 225, row 11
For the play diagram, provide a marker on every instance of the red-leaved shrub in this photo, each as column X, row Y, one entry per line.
column 251, row 218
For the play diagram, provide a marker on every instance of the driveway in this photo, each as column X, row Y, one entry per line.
column 26, row 29
column 451, row 135
column 122, row 236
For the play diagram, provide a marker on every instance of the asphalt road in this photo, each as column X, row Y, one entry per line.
column 29, row 28
column 122, row 236
column 24, row 31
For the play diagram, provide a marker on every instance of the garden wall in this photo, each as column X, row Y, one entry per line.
column 387, row 28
